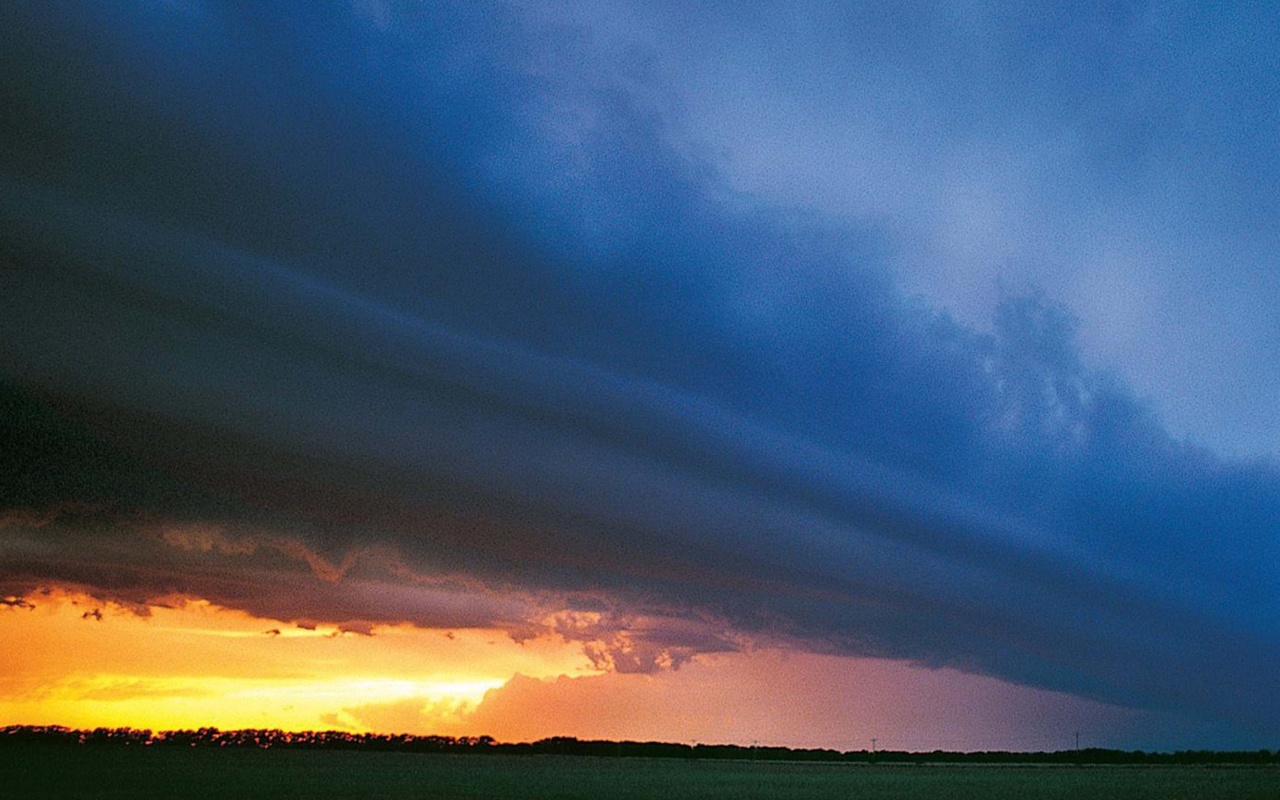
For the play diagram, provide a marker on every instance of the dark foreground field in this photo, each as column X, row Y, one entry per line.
column 247, row 773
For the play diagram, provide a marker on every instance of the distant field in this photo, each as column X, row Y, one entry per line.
column 119, row 772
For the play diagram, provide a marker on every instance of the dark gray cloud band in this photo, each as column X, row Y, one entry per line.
column 359, row 287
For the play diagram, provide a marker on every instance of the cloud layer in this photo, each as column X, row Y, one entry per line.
column 395, row 284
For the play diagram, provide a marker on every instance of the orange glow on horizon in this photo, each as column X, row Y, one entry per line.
column 193, row 664
column 73, row 661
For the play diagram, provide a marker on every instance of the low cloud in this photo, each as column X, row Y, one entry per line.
column 776, row 698
column 409, row 373
column 271, row 577
column 416, row 715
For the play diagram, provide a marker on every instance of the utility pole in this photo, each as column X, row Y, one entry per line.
column 1077, row 740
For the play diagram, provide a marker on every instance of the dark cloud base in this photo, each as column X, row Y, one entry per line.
column 380, row 310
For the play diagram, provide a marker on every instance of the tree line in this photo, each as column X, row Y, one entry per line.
column 265, row 738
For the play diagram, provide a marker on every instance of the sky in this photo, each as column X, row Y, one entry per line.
column 795, row 374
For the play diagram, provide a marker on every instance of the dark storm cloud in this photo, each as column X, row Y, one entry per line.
column 398, row 280
column 136, row 563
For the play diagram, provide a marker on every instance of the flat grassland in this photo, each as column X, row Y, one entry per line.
column 134, row 772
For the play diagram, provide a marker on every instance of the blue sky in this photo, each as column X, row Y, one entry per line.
column 945, row 334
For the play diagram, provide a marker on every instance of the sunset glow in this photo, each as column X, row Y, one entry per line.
column 190, row 664
column 805, row 373
column 195, row 664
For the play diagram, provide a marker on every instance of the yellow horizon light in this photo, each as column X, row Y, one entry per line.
column 189, row 664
